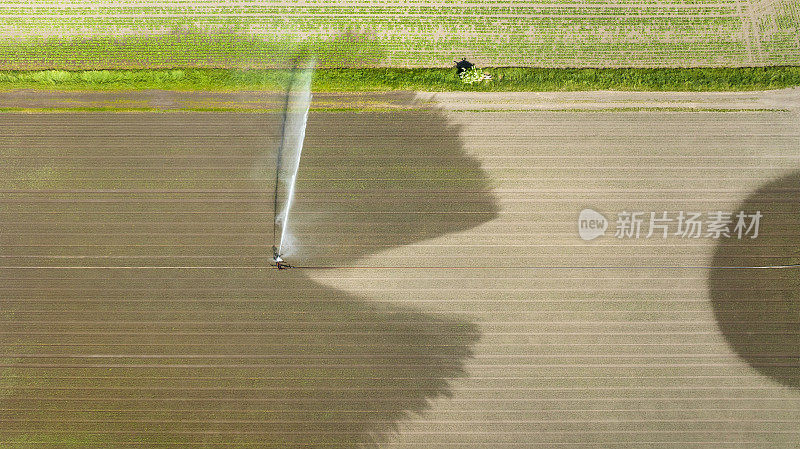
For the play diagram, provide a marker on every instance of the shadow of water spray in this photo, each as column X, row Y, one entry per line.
column 758, row 310
column 220, row 356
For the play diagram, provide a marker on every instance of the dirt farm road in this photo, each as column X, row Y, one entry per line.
column 447, row 298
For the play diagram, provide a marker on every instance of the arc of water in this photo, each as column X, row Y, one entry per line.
column 279, row 159
column 295, row 118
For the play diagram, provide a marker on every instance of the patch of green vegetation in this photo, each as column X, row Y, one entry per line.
column 413, row 33
column 88, row 439
column 42, row 178
column 188, row 46
column 84, row 109
column 8, row 377
column 438, row 80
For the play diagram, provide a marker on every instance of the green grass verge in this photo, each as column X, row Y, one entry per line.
column 439, row 80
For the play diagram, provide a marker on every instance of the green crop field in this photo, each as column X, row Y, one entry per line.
column 416, row 33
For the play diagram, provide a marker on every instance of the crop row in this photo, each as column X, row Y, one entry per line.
column 93, row 33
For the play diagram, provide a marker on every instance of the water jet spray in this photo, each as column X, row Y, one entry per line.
column 287, row 164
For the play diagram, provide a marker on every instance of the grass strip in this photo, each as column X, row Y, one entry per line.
column 504, row 79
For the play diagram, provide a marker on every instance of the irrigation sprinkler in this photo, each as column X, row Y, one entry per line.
column 287, row 164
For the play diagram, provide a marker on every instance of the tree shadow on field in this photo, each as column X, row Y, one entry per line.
column 259, row 357
column 758, row 310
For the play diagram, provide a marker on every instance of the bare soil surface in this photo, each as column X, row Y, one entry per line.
column 444, row 296
column 177, row 100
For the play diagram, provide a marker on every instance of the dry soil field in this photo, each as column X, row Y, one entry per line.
column 445, row 299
